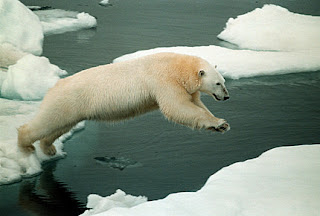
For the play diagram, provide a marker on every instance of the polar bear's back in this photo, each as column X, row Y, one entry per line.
column 120, row 90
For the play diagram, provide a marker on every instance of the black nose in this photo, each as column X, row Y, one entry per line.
column 226, row 98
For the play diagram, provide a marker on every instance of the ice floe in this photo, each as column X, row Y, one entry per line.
column 20, row 27
column 273, row 28
column 30, row 78
column 57, row 21
column 98, row 204
column 282, row 181
column 104, row 3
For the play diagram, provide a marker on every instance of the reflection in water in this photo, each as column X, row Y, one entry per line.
column 46, row 196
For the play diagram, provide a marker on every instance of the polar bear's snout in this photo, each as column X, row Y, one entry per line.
column 220, row 93
column 226, row 96
column 222, row 98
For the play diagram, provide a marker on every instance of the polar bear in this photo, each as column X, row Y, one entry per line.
column 166, row 81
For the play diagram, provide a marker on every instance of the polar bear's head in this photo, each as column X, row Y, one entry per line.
column 212, row 83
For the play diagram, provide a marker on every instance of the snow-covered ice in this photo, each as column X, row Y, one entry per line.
column 57, row 21
column 97, row 204
column 273, row 28
column 282, row 181
column 20, row 27
column 30, row 78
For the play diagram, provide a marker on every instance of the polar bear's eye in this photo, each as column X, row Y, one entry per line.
column 201, row 73
column 218, row 83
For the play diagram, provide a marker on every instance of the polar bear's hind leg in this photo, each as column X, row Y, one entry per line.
column 46, row 144
column 24, row 140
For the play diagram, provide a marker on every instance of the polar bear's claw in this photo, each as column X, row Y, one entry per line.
column 224, row 127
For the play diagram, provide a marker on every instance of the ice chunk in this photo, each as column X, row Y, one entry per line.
column 282, row 181
column 57, row 21
column 119, row 199
column 30, row 78
column 20, row 27
column 273, row 28
column 104, row 3
column 236, row 64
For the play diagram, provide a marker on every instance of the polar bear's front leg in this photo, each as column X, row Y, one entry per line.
column 177, row 106
column 223, row 127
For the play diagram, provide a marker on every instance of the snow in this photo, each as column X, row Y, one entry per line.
column 30, row 78
column 299, row 45
column 20, row 27
column 57, row 21
column 273, row 28
column 282, row 181
column 99, row 204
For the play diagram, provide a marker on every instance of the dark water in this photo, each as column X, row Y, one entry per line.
column 264, row 112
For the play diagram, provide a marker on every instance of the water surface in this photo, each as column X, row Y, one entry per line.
column 264, row 112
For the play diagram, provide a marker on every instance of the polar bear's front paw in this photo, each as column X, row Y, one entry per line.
column 223, row 126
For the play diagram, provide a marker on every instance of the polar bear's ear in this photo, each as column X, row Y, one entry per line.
column 201, row 73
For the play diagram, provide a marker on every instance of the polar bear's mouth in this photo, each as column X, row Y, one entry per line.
column 215, row 96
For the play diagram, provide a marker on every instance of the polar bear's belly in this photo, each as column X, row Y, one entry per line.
column 120, row 107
